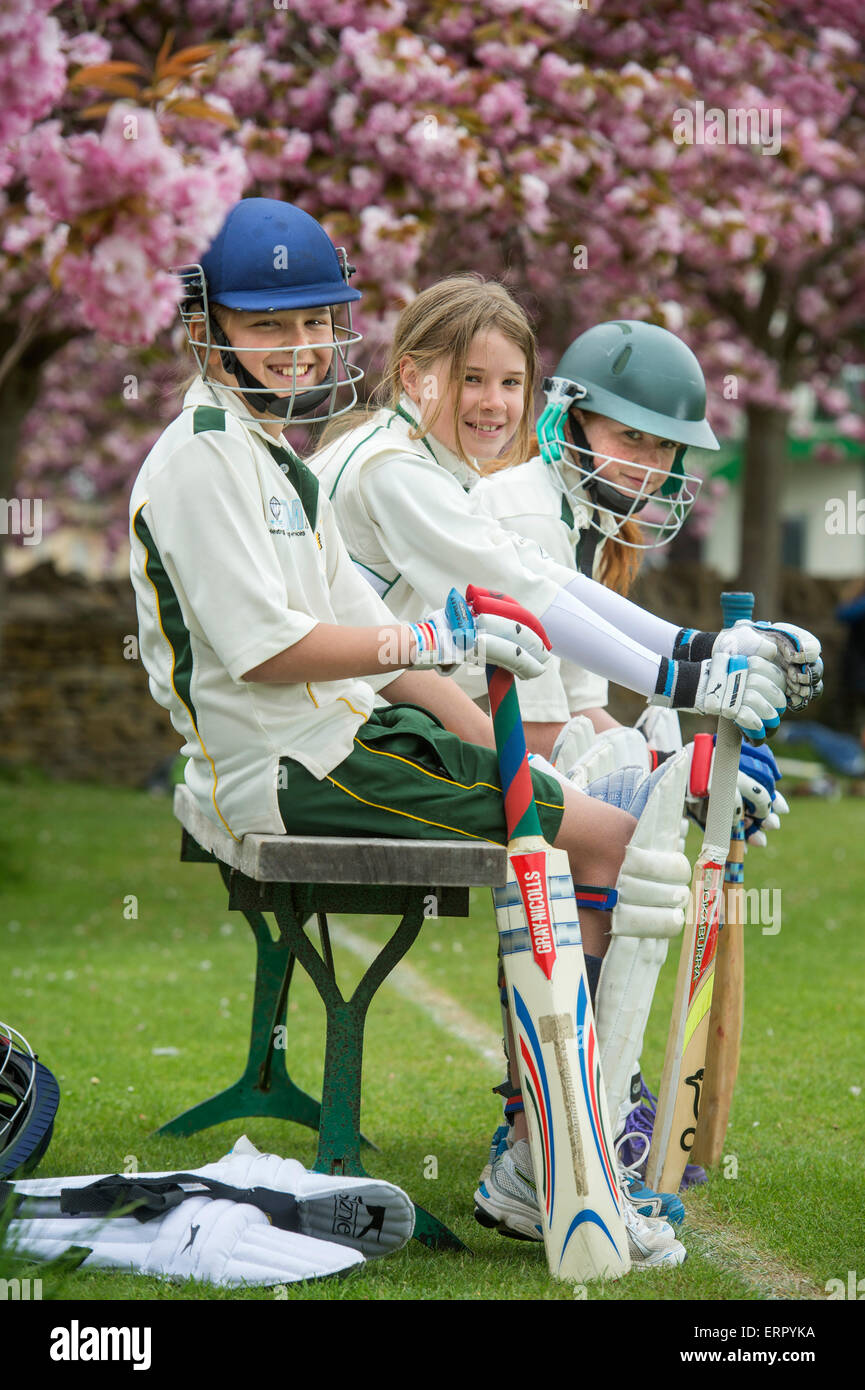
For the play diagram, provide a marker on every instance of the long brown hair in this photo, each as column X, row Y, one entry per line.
column 441, row 323
column 620, row 564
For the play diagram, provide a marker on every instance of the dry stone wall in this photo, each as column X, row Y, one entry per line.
column 74, row 699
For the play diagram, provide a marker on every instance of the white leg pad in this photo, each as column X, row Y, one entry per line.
column 370, row 1216
column 612, row 750
column 221, row 1242
column 653, row 886
column 629, row 975
column 574, row 739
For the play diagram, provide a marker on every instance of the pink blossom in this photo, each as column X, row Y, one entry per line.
column 387, row 240
column 32, row 67
column 838, row 42
column 83, row 50
column 504, row 57
column 505, row 105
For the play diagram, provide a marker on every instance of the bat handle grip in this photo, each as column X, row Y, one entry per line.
column 521, row 812
column 736, row 605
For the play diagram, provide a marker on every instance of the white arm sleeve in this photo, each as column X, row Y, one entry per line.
column 580, row 634
column 628, row 617
column 430, row 534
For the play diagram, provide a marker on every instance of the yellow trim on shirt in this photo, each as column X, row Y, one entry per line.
column 358, row 712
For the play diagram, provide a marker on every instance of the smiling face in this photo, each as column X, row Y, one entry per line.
column 281, row 349
column 489, row 400
column 624, row 457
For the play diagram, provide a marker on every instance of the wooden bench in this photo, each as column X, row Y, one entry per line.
column 296, row 878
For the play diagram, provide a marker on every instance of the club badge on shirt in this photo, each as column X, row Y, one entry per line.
column 286, row 518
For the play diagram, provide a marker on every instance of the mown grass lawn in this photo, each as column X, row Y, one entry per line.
column 132, row 980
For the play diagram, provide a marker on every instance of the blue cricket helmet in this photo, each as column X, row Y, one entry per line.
column 273, row 255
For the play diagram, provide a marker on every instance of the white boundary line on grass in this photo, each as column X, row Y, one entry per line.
column 435, row 1003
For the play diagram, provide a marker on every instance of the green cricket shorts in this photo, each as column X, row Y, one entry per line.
column 409, row 778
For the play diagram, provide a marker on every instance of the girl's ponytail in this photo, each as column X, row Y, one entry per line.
column 620, row 563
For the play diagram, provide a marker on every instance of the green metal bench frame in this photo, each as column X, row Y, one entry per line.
column 255, row 871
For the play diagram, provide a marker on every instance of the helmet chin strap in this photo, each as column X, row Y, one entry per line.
column 263, row 399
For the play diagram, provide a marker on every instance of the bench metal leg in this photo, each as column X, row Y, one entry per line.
column 262, row 1089
column 339, row 1131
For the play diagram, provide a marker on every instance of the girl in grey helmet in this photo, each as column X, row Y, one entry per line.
column 626, row 401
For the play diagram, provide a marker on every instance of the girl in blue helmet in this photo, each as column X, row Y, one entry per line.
column 259, row 635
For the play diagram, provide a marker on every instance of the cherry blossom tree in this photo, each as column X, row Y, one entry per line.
column 567, row 148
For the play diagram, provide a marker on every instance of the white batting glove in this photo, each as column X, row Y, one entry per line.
column 748, row 690
column 453, row 636
column 794, row 649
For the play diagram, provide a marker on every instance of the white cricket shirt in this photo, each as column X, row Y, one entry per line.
column 404, row 512
column 236, row 556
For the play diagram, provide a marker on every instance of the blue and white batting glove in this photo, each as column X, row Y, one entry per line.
column 756, row 785
column 764, row 805
column 560, row 394
column 748, row 690
column 454, row 636
column 797, row 651
column 794, row 649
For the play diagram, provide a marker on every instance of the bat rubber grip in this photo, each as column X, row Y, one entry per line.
column 735, row 606
column 701, row 765
column 503, row 606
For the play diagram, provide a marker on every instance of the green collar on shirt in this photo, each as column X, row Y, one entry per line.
column 302, row 479
column 440, row 453
column 210, row 415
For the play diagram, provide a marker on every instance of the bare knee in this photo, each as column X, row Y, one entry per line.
column 595, row 836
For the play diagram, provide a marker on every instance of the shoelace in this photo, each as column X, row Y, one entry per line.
column 629, row 1170
column 637, row 1223
column 641, row 1123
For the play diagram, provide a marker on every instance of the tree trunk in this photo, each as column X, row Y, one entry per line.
column 762, row 483
column 19, row 390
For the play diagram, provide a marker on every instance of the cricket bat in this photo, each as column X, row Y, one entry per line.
column 685, row 1056
column 728, row 996
column 553, row 1024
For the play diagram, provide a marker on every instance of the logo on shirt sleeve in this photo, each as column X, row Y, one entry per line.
column 286, row 518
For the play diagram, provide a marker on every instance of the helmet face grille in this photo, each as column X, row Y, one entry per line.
column 660, row 513
column 335, row 395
